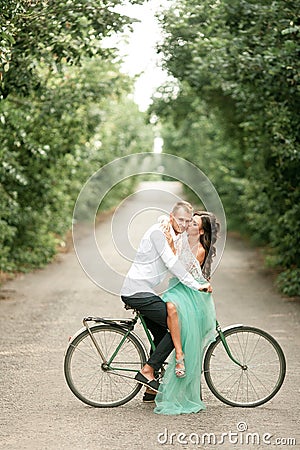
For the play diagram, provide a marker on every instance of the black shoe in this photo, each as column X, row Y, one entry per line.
column 153, row 384
column 149, row 398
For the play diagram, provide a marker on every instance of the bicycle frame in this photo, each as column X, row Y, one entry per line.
column 129, row 325
column 123, row 324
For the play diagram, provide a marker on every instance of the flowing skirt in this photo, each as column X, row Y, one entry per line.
column 197, row 320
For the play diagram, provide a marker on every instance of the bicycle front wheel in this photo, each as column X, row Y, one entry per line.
column 95, row 383
column 262, row 373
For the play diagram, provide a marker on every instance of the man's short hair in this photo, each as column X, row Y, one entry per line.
column 182, row 204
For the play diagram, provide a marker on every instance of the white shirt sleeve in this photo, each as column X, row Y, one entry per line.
column 171, row 261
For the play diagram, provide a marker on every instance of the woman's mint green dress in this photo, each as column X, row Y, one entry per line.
column 197, row 319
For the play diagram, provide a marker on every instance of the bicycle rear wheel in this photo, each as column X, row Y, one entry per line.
column 96, row 384
column 263, row 369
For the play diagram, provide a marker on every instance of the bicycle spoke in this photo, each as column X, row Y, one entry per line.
column 228, row 377
column 262, row 384
column 90, row 354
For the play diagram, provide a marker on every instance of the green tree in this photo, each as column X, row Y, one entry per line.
column 52, row 32
column 61, row 94
column 240, row 59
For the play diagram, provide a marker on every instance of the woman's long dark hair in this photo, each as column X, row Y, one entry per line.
column 211, row 229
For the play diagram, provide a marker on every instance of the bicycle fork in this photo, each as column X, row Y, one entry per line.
column 226, row 346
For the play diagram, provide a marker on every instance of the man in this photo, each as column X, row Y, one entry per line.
column 155, row 258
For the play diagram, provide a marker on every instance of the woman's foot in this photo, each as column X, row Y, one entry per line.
column 180, row 367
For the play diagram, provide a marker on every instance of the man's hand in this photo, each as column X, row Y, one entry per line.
column 206, row 287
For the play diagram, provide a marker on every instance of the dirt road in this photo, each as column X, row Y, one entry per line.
column 39, row 311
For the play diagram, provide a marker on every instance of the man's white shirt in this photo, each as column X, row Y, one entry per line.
column 153, row 262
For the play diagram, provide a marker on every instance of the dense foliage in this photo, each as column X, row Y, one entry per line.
column 234, row 111
column 62, row 117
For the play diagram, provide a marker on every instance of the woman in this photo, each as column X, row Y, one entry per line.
column 180, row 391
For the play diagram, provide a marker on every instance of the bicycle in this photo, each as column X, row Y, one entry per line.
column 243, row 367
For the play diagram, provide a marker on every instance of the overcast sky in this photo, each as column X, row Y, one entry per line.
column 138, row 50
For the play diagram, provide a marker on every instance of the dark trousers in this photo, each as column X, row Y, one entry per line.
column 154, row 311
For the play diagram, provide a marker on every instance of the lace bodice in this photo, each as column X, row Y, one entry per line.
column 183, row 250
column 188, row 259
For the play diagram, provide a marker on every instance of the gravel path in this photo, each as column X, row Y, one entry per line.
column 39, row 311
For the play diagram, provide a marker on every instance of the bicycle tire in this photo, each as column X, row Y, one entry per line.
column 90, row 381
column 263, row 373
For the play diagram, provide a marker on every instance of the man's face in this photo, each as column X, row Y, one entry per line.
column 180, row 220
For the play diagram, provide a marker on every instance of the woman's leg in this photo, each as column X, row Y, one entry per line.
column 174, row 328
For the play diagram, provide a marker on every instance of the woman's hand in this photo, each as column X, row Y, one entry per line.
column 206, row 287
